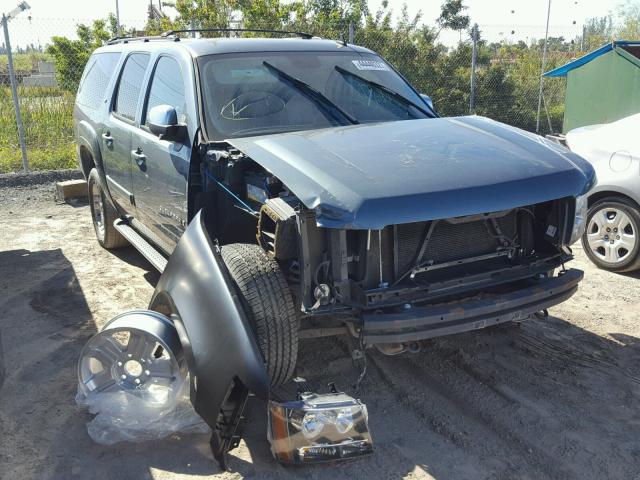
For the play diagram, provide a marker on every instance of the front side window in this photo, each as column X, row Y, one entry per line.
column 130, row 85
column 95, row 79
column 256, row 93
column 167, row 88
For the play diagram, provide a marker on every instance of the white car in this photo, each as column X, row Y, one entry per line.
column 611, row 239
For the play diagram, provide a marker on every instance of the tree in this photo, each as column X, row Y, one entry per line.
column 629, row 21
column 451, row 16
column 597, row 32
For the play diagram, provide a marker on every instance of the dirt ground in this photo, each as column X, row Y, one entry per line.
column 552, row 398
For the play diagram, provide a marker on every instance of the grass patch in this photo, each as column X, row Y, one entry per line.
column 48, row 123
column 25, row 61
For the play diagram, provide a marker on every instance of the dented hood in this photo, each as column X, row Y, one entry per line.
column 370, row 176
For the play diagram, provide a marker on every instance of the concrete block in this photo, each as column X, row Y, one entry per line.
column 71, row 189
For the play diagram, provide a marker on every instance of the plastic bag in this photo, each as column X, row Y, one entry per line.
column 135, row 416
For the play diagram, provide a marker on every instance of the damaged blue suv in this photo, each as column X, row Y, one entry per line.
column 299, row 187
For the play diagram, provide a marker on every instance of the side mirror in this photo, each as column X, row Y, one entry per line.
column 428, row 101
column 162, row 120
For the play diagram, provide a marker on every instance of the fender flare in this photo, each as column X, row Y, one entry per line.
column 88, row 138
column 220, row 348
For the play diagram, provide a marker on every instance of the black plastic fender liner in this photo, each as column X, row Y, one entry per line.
column 220, row 348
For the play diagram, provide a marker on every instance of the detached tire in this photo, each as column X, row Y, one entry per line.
column 269, row 305
column 612, row 237
column 103, row 214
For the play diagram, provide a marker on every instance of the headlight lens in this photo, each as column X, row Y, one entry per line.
column 344, row 420
column 580, row 219
column 319, row 428
column 313, row 423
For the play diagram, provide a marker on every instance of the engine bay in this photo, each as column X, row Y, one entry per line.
column 345, row 270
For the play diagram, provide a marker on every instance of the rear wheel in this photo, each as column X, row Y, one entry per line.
column 103, row 214
column 611, row 239
column 268, row 302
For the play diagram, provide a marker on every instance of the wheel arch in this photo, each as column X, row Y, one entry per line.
column 86, row 160
column 608, row 193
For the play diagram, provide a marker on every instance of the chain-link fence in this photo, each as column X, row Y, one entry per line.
column 506, row 83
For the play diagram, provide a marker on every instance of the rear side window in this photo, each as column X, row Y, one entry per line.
column 167, row 88
column 95, row 79
column 130, row 85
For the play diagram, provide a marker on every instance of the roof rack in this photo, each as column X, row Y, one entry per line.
column 114, row 40
column 253, row 30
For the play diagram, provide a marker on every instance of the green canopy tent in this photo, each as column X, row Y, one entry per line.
column 602, row 86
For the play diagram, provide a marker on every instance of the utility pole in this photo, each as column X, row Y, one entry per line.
column 12, row 78
column 542, row 67
column 117, row 18
column 351, row 32
column 475, row 36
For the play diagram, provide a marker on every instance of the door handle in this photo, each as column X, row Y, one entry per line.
column 108, row 139
column 139, row 157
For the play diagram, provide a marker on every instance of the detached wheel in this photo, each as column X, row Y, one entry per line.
column 611, row 239
column 269, row 306
column 103, row 214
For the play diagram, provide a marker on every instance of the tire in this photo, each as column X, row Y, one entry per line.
column 616, row 249
column 269, row 305
column 103, row 214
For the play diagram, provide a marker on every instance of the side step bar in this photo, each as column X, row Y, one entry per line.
column 147, row 250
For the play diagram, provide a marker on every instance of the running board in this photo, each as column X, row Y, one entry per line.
column 147, row 250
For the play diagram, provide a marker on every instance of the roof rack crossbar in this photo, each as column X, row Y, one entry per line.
column 253, row 30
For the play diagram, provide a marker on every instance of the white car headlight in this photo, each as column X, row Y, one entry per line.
column 580, row 219
column 319, row 428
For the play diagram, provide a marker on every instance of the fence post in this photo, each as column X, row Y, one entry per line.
column 474, row 57
column 14, row 93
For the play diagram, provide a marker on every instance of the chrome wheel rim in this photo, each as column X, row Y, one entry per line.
column 611, row 235
column 144, row 361
column 98, row 210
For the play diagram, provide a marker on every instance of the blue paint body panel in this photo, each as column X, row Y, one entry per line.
column 371, row 176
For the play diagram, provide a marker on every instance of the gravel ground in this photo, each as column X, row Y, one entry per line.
column 552, row 398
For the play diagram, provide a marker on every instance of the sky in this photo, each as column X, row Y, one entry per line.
column 497, row 18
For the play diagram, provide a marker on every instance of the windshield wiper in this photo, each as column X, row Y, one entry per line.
column 313, row 94
column 387, row 90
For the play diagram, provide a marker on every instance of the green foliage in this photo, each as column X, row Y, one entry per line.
column 24, row 62
column 451, row 16
column 507, row 75
column 46, row 114
column 629, row 18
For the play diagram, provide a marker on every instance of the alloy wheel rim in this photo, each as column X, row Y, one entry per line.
column 127, row 359
column 98, row 211
column 611, row 235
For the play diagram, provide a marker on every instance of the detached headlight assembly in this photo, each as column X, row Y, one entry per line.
column 319, row 428
column 580, row 219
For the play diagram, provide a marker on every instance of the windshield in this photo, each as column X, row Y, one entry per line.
column 257, row 93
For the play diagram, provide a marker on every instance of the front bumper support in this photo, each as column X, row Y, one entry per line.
column 473, row 313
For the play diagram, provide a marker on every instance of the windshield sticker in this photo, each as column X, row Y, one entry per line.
column 247, row 73
column 370, row 65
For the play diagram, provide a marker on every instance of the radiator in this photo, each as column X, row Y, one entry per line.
column 449, row 241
